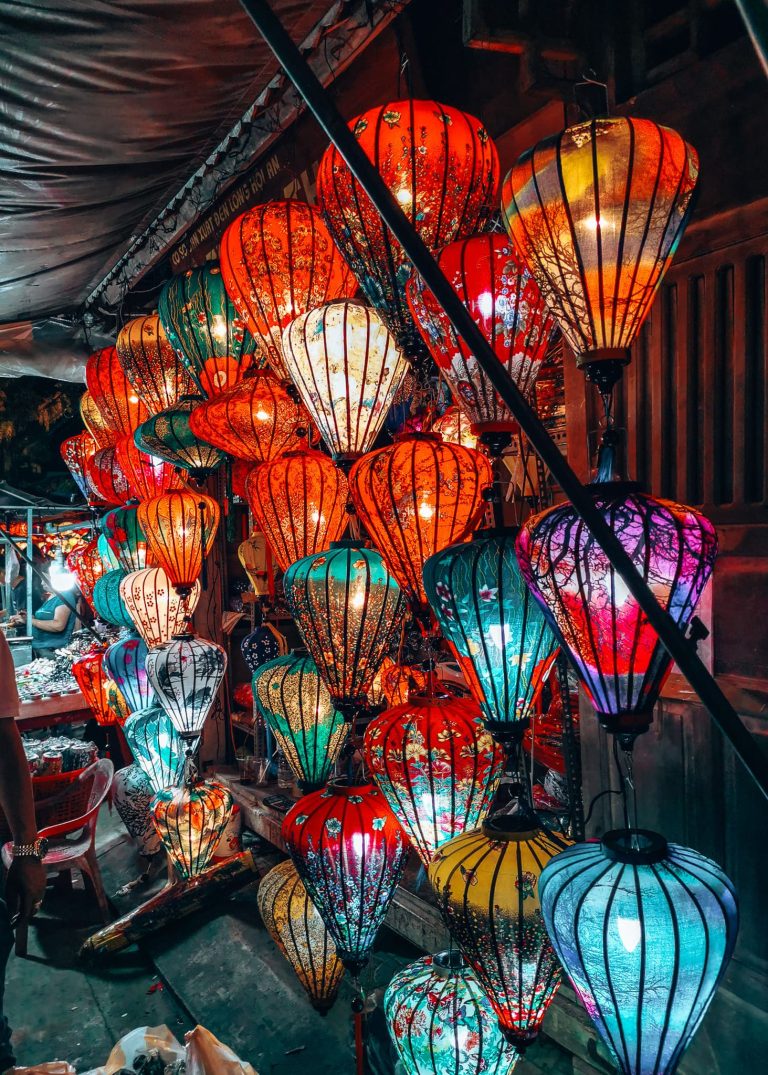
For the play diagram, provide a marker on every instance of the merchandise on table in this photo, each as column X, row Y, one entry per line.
column 58, row 754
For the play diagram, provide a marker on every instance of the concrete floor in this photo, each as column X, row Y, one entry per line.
column 218, row 969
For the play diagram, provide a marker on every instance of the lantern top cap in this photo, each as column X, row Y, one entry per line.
column 638, row 847
column 447, row 963
column 615, row 488
column 341, row 786
column 496, row 532
column 512, row 827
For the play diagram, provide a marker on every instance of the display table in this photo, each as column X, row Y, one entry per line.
column 49, row 712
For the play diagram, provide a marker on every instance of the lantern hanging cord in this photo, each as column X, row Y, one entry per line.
column 622, row 753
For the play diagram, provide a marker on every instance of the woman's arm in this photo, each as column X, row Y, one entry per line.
column 58, row 622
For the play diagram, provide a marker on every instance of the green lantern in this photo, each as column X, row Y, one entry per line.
column 168, row 436
column 125, row 538
column 107, row 557
column 107, row 601
column 205, row 330
column 297, row 706
column 496, row 627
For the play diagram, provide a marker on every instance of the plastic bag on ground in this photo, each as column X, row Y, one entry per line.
column 207, row 1056
column 140, row 1040
column 55, row 1067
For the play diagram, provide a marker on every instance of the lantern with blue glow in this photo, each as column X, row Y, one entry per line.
column 297, row 707
column 186, row 674
column 168, row 436
column 156, row 746
column 645, row 931
column 615, row 651
column 441, row 1022
column 497, row 630
column 125, row 664
column 125, row 537
column 109, row 561
column 107, row 601
column 190, row 821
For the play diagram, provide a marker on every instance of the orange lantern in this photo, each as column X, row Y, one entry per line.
column 299, row 501
column 240, row 470
column 94, row 685
column 105, row 476
column 147, row 475
column 454, row 426
column 255, row 420
column 180, row 527
column 416, row 497
column 150, row 364
column 278, row 261
column 114, row 396
column 75, row 452
column 86, row 564
column 94, row 423
column 397, row 681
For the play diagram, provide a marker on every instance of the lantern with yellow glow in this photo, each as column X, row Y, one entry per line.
column 443, row 170
column 347, row 369
column 94, row 685
column 105, row 476
column 75, row 452
column 299, row 502
column 151, row 365
column 255, row 420
column 117, row 401
column 168, row 436
column 158, row 612
column 597, row 212
column 396, row 681
column 190, row 820
column 299, row 932
column 278, row 261
column 454, row 426
column 180, row 528
column 486, row 884
column 94, row 423
column 252, row 554
column 416, row 497
column 147, row 475
column 505, row 303
column 87, row 566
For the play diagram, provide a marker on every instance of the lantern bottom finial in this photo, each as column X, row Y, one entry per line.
column 604, row 366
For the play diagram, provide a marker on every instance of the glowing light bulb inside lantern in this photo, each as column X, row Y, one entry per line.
column 426, row 511
column 404, row 196
column 315, row 516
column 630, row 932
column 357, row 597
column 262, row 415
column 218, row 326
column 485, row 303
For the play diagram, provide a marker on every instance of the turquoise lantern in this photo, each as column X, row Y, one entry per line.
column 442, row 1023
column 107, row 602
column 156, row 746
column 168, row 436
column 645, row 930
column 125, row 537
column 497, row 630
column 108, row 558
column 124, row 662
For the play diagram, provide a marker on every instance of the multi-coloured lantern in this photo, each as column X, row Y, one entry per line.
column 436, row 765
column 299, row 502
column 107, row 601
column 75, row 451
column 125, row 664
column 105, row 476
column 443, row 170
column 116, row 400
column 278, row 261
column 645, row 931
column 147, row 475
column 180, row 528
column 87, row 566
column 168, row 436
column 350, row 852
column 597, row 212
column 255, row 420
column 156, row 747
column 416, row 497
column 486, row 884
column 125, row 537
column 252, row 554
column 94, row 423
column 498, row 632
column 299, row 932
column 441, row 1022
column 347, row 369
column 133, row 797
column 614, row 649
column 151, row 365
column 454, row 426
column 186, row 674
column 190, row 820
column 93, row 683
column 348, row 609
column 157, row 611
column 297, row 707
column 505, row 303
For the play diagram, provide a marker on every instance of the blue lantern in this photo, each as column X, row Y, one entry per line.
column 259, row 647
column 156, row 747
column 645, row 930
column 107, row 602
column 124, row 663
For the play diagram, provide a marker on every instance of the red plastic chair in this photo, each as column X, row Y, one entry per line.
column 79, row 852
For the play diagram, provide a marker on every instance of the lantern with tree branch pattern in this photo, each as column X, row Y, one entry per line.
column 151, row 365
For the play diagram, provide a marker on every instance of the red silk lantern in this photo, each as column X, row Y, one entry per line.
column 442, row 168
column 241, row 468
column 150, row 364
column 255, row 420
column 113, row 395
column 397, row 681
column 86, row 564
column 453, row 426
column 505, row 303
column 180, row 527
column 94, row 423
column 105, row 476
column 299, row 502
column 94, row 685
column 417, row 497
column 278, row 261
column 350, row 852
column 75, row 451
column 147, row 475
column 437, row 767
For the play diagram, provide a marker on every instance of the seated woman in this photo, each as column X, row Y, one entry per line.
column 52, row 625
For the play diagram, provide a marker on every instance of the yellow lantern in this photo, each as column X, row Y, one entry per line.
column 252, row 554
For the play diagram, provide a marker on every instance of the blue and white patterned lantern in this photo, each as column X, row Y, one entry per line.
column 186, row 674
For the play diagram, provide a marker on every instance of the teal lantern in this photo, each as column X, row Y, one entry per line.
column 107, row 602
column 125, row 664
column 156, row 747
column 645, row 930
column 205, row 330
column 297, row 706
column 497, row 630
column 168, row 436
column 125, row 537
column 442, row 1023
column 108, row 558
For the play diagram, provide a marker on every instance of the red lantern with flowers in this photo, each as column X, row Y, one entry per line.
column 116, row 400
column 105, row 476
column 75, row 451
column 94, row 685
column 86, row 564
column 147, row 475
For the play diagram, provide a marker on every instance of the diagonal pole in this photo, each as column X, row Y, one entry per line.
column 681, row 650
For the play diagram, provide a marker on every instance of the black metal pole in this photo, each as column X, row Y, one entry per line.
column 681, row 650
